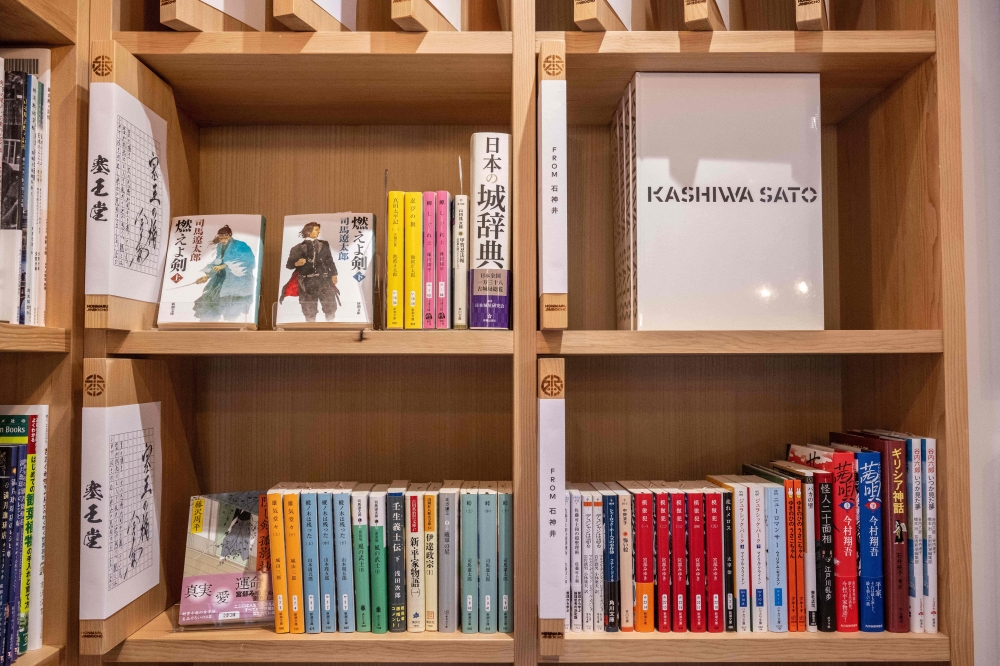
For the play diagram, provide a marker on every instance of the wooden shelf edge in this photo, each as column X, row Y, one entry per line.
column 594, row 343
column 311, row 343
column 766, row 647
column 47, row 655
column 38, row 22
column 16, row 338
column 158, row 641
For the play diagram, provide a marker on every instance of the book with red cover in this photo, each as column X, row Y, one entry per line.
column 678, row 550
column 715, row 568
column 696, row 560
column 645, row 564
column 895, row 560
column 845, row 550
column 800, row 554
column 663, row 535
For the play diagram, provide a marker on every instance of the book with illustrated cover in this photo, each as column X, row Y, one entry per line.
column 223, row 582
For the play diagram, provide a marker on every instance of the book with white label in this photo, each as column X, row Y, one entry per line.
column 553, row 262
column 414, row 556
column 461, row 246
column 490, row 275
column 553, row 536
column 431, row 556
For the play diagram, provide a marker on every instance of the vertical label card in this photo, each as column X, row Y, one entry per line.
column 552, row 189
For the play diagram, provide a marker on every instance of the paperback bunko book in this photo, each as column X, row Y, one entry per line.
column 279, row 562
column 377, row 519
column 576, row 558
column 428, row 256
column 310, row 561
column 469, row 557
column 488, row 557
column 505, row 553
column 807, row 478
column 460, row 262
column 432, row 549
column 327, row 561
column 414, row 553
column 448, row 545
column 212, row 277
column 599, row 553
column 362, row 559
column 413, row 265
column 442, row 233
column 226, row 579
column 396, row 512
column 344, row 556
column 326, row 265
column 395, row 261
column 490, row 281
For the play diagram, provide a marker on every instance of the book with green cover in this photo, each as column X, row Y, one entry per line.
column 362, row 581
column 505, row 549
column 469, row 558
column 377, row 547
column 488, row 557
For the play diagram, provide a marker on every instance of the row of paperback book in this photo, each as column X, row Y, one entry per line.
column 794, row 545
column 349, row 557
column 24, row 117
column 23, row 446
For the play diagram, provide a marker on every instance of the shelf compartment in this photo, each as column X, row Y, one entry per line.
column 38, row 22
column 593, row 343
column 158, row 641
column 854, row 66
column 311, row 343
column 366, row 78
column 766, row 647
column 47, row 655
column 16, row 338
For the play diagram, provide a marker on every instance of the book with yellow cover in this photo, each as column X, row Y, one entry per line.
column 279, row 573
column 394, row 298
column 413, row 242
column 293, row 553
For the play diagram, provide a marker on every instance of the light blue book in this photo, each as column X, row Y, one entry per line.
column 488, row 559
column 327, row 567
column 310, row 561
column 505, row 495
column 777, row 570
column 344, row 556
column 469, row 558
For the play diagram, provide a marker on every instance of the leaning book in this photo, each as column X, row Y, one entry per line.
column 326, row 271
column 227, row 577
column 212, row 277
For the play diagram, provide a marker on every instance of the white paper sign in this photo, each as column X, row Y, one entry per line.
column 624, row 10
column 552, row 189
column 345, row 11
column 551, row 509
column 121, row 464
column 251, row 12
column 451, row 10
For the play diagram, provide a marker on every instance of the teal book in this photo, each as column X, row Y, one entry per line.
column 344, row 556
column 469, row 558
column 327, row 566
column 378, row 549
column 310, row 561
column 362, row 564
column 505, row 551
column 488, row 557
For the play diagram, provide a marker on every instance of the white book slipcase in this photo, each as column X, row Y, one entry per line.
column 718, row 202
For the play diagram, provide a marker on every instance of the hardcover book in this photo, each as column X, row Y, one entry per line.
column 872, row 605
column 490, row 281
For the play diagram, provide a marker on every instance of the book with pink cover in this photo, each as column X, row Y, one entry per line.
column 443, row 232
column 430, row 246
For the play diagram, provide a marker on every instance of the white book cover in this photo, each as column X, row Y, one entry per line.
column 576, row 559
column 553, row 536
column 929, row 482
column 598, row 574
column 37, row 568
column 128, row 196
column 729, row 201
column 431, row 556
column 120, row 472
column 567, row 561
column 251, row 12
column 345, row 11
column 756, row 526
column 413, row 552
column 587, row 570
column 460, row 262
column 213, row 272
column 553, row 195
column 915, row 545
column 326, row 271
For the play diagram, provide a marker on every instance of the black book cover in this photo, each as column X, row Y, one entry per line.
column 824, row 558
column 397, row 567
column 15, row 108
column 728, row 559
column 612, row 586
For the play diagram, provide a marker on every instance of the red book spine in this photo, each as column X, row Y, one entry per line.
column 790, row 552
column 663, row 561
column 800, row 554
column 716, row 568
column 678, row 532
column 696, row 561
column 645, row 564
column 845, row 552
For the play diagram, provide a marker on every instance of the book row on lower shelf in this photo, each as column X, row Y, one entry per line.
column 835, row 538
column 349, row 557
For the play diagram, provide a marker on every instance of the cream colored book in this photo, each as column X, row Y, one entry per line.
column 431, row 554
column 413, row 552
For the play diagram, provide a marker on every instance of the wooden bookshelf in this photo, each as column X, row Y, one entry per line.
column 15, row 338
column 42, row 22
column 47, row 655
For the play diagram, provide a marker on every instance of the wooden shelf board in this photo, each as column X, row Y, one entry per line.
column 363, row 78
column 299, row 343
column 47, row 655
column 42, row 22
column 854, row 66
column 158, row 641
column 15, row 338
column 766, row 647
column 594, row 343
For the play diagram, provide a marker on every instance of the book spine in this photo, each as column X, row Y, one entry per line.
column 379, row 564
column 429, row 255
column 696, row 562
column 626, row 563
column 327, row 562
column 729, row 561
column 460, row 262
column 567, row 561
column 487, row 563
column 344, row 561
column 29, row 523
column 612, row 589
column 6, row 510
column 442, row 303
column 788, row 489
column 896, row 565
column 715, row 567
column 362, row 562
column 293, row 551
column 469, row 560
column 576, row 561
column 663, row 561
column 490, row 283
column 809, row 554
column 395, row 262
column 310, row 563
column 14, row 569
column 505, row 547
column 448, row 528
column 872, row 607
column 397, row 565
column 279, row 573
column 430, row 562
column 845, row 498
column 415, row 608
column 679, row 565
column 587, row 563
column 645, row 564
column 915, row 513
column 598, row 583
column 929, row 469
column 800, row 584
column 758, row 560
column 742, row 588
column 413, row 247
column 777, row 566
column 27, row 167
column 825, row 585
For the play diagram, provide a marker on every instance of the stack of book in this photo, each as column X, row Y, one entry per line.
column 24, row 111
column 836, row 538
column 346, row 557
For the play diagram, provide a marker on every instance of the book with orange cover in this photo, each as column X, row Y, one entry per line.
column 279, row 565
column 293, row 553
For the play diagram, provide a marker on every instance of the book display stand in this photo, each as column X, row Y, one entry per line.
column 282, row 122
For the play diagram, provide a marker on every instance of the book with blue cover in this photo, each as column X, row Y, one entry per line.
column 396, row 512
column 488, row 558
column 469, row 558
column 327, row 562
column 310, row 561
column 872, row 602
column 344, row 556
column 505, row 547
column 777, row 547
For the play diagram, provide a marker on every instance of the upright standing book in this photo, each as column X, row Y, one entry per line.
column 742, row 588
column 432, row 549
column 460, row 262
column 806, row 476
column 488, row 556
column 576, row 558
column 344, row 557
column 929, row 483
column 469, row 558
column 414, row 554
column 397, row 521
column 429, row 257
column 870, row 542
column 310, row 561
column 490, row 281
column 293, row 551
column 587, row 560
column 626, row 560
column 395, row 261
column 327, row 558
column 362, row 560
column 413, row 248
column 612, row 536
column 279, row 565
column 715, row 565
column 505, row 551
column 448, row 540
column 377, row 519
column 598, row 574
column 915, row 515
column 442, row 261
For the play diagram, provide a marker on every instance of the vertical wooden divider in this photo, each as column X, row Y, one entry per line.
column 525, row 406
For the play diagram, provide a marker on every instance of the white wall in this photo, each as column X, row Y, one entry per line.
column 979, row 35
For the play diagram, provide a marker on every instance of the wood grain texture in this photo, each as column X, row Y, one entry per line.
column 621, row 343
column 596, row 16
column 16, row 338
column 42, row 22
column 311, row 343
column 306, row 15
column 117, row 313
column 198, row 16
column 346, row 78
column 831, row 228
column 703, row 15
column 47, row 655
column 883, row 14
column 419, row 16
column 811, row 15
